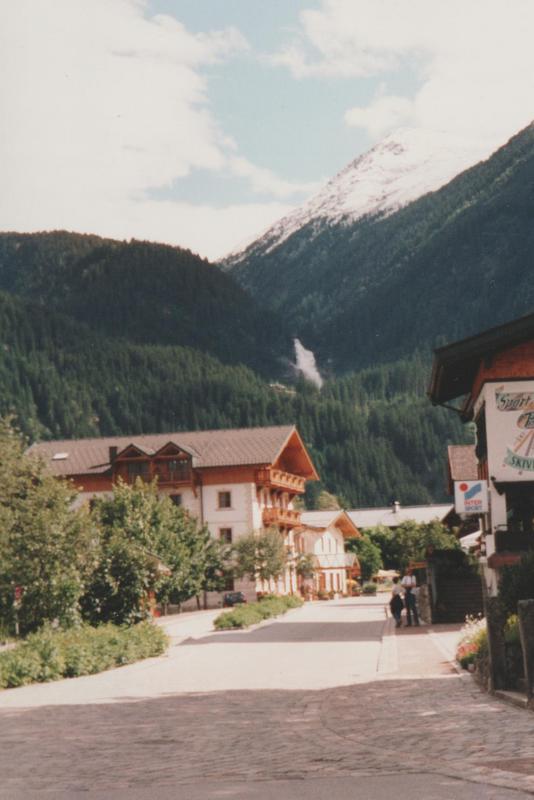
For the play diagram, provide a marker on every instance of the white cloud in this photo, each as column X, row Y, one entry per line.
column 265, row 181
column 383, row 115
column 474, row 59
column 205, row 229
column 100, row 104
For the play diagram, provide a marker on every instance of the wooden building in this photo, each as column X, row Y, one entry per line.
column 234, row 481
column 322, row 535
column 488, row 379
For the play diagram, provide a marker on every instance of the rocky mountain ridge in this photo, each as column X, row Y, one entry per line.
column 404, row 166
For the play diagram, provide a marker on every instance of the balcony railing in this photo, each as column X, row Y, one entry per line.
column 280, row 479
column 333, row 560
column 281, row 516
column 147, row 471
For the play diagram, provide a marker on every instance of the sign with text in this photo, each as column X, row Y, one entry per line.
column 510, row 430
column 471, row 497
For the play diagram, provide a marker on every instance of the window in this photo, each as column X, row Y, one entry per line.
column 138, row 469
column 225, row 499
column 520, row 507
column 178, row 469
column 229, row 585
column 176, row 499
column 225, row 535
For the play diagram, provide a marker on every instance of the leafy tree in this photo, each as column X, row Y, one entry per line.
column 384, row 538
column 411, row 541
column 45, row 546
column 304, row 566
column 147, row 544
column 368, row 555
column 261, row 556
column 199, row 563
column 327, row 502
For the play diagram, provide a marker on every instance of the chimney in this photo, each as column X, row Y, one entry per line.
column 113, row 454
column 396, row 507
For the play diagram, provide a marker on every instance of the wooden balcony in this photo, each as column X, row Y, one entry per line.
column 334, row 560
column 278, row 479
column 284, row 517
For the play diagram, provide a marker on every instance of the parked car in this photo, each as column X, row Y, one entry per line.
column 233, row 599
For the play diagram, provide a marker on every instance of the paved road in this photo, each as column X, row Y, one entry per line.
column 328, row 701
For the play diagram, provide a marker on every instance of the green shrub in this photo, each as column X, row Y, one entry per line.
column 19, row 667
column 48, row 655
column 511, row 630
column 243, row 616
column 369, row 588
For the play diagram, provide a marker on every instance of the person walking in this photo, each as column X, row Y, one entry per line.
column 409, row 585
column 396, row 605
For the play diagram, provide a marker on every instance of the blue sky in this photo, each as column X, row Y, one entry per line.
column 292, row 126
column 202, row 122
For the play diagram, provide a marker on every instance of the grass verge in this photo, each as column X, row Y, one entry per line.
column 49, row 655
column 249, row 614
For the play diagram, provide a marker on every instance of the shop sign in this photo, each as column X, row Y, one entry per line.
column 510, row 431
column 471, row 497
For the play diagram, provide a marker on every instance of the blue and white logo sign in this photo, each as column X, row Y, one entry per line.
column 471, row 497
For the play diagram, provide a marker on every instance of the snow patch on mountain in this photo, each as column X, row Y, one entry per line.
column 406, row 165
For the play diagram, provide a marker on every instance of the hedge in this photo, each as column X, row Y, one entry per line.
column 244, row 615
column 49, row 654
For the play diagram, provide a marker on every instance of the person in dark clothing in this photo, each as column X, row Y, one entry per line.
column 409, row 583
column 396, row 605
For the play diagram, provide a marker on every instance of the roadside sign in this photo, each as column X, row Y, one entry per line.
column 471, row 497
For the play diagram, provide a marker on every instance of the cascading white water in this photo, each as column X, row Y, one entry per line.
column 305, row 363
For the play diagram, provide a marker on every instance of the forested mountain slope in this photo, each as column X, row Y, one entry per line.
column 146, row 293
column 454, row 262
column 374, row 436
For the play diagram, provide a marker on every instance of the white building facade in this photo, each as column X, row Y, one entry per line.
column 235, row 482
column 322, row 536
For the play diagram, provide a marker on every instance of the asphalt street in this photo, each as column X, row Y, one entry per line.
column 328, row 701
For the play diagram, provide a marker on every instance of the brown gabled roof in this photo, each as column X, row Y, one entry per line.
column 463, row 464
column 455, row 365
column 217, row 448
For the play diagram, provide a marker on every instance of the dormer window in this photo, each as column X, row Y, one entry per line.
column 138, row 469
column 179, row 469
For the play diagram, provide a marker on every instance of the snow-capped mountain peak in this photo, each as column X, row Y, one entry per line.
column 403, row 167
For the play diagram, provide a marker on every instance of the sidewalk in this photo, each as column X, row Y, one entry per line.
column 424, row 651
column 190, row 624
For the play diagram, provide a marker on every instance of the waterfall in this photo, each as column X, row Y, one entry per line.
column 305, row 363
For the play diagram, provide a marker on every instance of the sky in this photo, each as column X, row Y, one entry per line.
column 201, row 122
